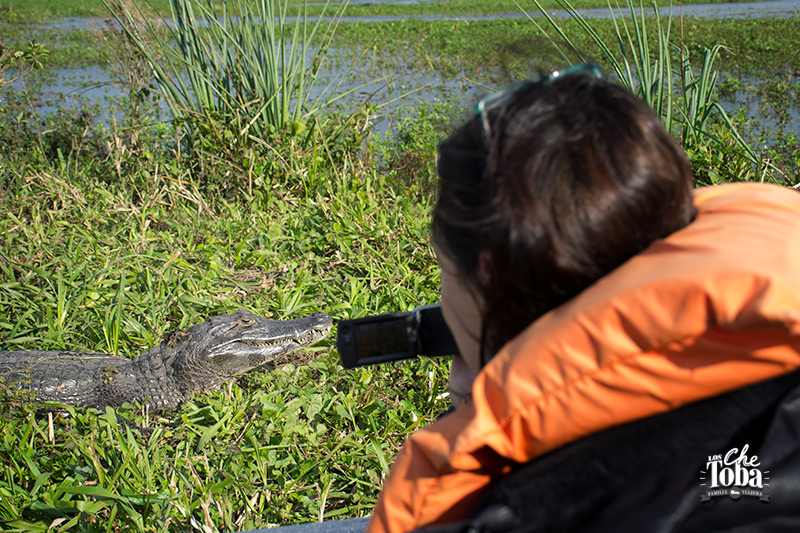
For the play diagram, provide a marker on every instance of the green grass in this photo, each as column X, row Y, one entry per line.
column 300, row 440
column 517, row 46
column 297, row 444
column 21, row 11
column 472, row 7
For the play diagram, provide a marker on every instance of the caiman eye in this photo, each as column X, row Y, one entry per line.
column 245, row 322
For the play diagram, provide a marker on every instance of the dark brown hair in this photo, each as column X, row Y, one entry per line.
column 573, row 177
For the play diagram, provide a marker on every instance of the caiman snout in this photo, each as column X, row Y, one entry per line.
column 252, row 341
column 320, row 327
column 323, row 320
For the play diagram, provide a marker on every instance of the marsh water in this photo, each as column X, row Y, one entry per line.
column 400, row 88
column 765, row 9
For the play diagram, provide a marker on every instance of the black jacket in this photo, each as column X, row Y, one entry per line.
column 652, row 475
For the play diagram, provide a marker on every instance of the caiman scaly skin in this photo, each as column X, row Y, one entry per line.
column 198, row 359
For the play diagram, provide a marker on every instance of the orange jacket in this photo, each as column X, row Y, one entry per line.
column 713, row 307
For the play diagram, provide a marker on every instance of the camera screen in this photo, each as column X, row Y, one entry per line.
column 375, row 339
column 393, row 337
column 381, row 338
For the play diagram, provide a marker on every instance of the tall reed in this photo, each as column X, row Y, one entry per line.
column 651, row 63
column 248, row 68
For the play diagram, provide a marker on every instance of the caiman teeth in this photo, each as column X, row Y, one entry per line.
column 311, row 336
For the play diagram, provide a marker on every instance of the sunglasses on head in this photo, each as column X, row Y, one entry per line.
column 499, row 98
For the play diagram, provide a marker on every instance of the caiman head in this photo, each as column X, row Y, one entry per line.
column 226, row 346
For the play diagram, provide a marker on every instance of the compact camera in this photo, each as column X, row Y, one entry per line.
column 394, row 337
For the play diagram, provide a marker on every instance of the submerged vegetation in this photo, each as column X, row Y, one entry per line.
column 124, row 222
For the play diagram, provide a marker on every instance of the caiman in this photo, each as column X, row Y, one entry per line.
column 198, row 359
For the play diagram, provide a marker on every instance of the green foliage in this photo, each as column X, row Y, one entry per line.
column 90, row 265
column 784, row 152
column 301, row 443
column 29, row 141
column 518, row 47
column 411, row 152
column 756, row 46
column 43, row 10
column 23, row 60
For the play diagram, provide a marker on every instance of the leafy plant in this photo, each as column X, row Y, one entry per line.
column 23, row 59
column 412, row 154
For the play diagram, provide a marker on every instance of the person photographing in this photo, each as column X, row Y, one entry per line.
column 616, row 327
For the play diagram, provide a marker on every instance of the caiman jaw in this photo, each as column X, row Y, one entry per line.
column 310, row 337
column 266, row 339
